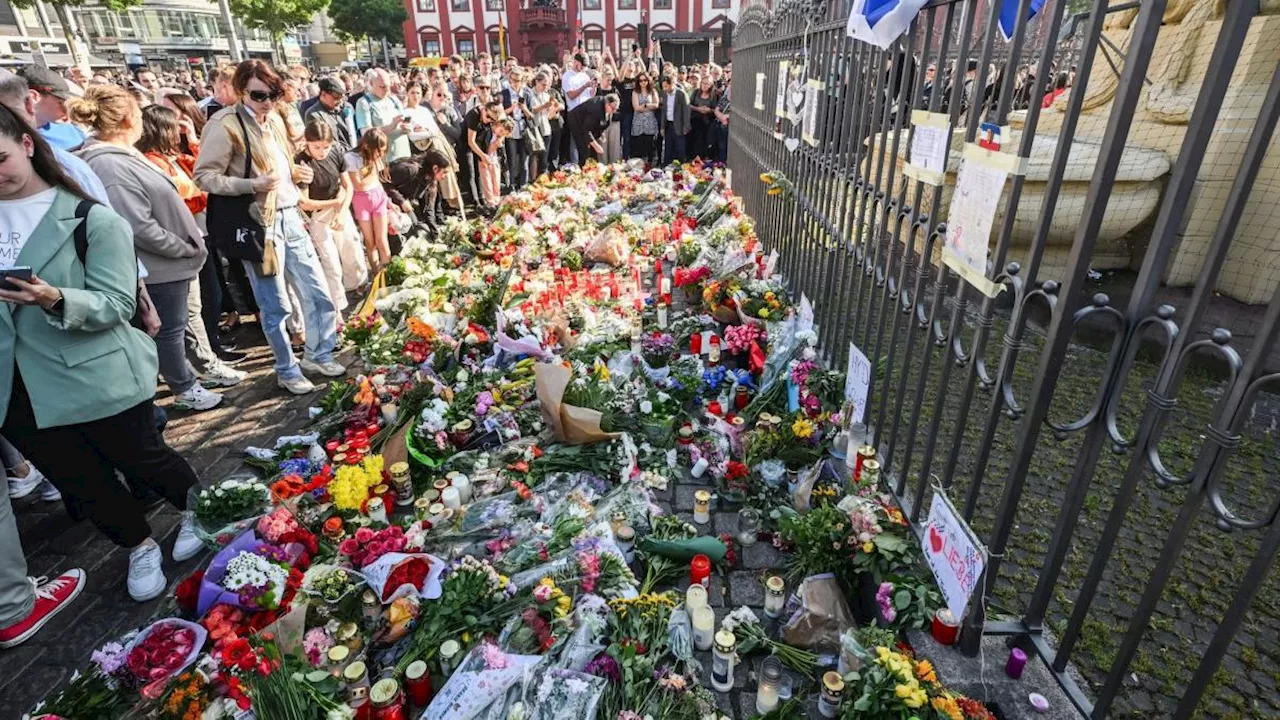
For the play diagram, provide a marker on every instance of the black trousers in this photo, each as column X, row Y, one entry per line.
column 81, row 460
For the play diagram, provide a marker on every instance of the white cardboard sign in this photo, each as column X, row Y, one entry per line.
column 953, row 554
column 857, row 381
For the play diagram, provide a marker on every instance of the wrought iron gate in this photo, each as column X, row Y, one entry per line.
column 1118, row 483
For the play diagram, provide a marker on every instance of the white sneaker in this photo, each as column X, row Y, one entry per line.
column 197, row 398
column 20, row 487
column 219, row 374
column 146, row 578
column 328, row 369
column 187, row 545
column 297, row 386
column 48, row 492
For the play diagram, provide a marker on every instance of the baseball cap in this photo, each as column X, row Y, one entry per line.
column 47, row 82
column 331, row 86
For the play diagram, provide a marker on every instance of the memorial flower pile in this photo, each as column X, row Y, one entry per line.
column 473, row 525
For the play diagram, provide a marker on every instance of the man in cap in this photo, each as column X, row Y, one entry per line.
column 51, row 93
column 331, row 106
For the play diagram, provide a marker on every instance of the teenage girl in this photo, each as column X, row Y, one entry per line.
column 367, row 168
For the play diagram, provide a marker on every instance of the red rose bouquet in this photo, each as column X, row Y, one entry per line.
column 164, row 649
column 412, row 571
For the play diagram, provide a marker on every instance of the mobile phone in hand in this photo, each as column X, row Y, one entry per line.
column 23, row 273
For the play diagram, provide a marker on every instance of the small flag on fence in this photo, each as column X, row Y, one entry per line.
column 880, row 22
column 1009, row 15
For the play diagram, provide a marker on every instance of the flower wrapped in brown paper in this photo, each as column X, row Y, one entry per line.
column 571, row 424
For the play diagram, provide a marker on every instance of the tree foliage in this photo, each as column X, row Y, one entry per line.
column 112, row 5
column 377, row 19
column 276, row 16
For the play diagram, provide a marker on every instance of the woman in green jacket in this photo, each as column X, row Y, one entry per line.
column 76, row 379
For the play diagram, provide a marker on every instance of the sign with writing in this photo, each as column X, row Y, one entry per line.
column 780, row 101
column 759, row 104
column 974, row 203
column 953, row 554
column 857, row 381
column 812, row 89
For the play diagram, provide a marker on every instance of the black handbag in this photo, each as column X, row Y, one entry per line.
column 232, row 228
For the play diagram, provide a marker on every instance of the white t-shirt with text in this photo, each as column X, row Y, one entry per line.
column 18, row 219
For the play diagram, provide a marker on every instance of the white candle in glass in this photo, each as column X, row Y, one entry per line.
column 451, row 498
column 704, row 626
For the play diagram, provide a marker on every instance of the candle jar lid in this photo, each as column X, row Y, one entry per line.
column 872, row 466
column 440, row 484
column 400, row 468
column 702, row 496
column 354, row 672
column 833, row 682
column 338, row 653
column 725, row 641
column 347, row 631
column 432, row 495
column 449, row 648
column 436, row 508
column 369, row 598
column 775, row 584
column 626, row 534
column 422, row 503
column 375, row 503
column 416, row 670
column 384, row 692
column 381, row 489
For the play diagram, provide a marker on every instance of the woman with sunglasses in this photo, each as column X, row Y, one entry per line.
column 253, row 126
column 76, row 379
column 169, row 242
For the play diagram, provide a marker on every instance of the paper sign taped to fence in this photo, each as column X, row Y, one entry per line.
column 857, row 381
column 811, row 91
column 954, row 555
column 780, row 102
column 969, row 221
column 929, row 146
column 759, row 91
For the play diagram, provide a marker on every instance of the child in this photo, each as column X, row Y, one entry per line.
column 367, row 168
column 327, row 199
column 491, row 172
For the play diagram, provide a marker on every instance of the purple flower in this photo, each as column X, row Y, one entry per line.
column 884, row 598
column 603, row 665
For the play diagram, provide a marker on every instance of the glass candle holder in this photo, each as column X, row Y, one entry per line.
column 748, row 526
column 767, row 689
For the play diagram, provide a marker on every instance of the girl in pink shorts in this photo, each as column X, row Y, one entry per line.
column 367, row 167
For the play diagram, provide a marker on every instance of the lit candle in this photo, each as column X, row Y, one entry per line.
column 775, row 596
column 704, row 625
column 463, row 485
column 767, row 690
column 662, row 317
column 945, row 627
column 695, row 597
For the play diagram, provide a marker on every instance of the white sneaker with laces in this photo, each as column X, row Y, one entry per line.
column 146, row 578
column 48, row 492
column 328, row 369
column 187, row 545
column 219, row 374
column 197, row 398
column 297, row 386
column 20, row 487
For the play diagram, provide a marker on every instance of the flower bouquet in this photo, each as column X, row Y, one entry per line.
column 690, row 281
column 164, row 649
column 224, row 511
column 555, row 693
column 331, row 584
column 394, row 575
column 668, row 550
column 248, row 574
column 657, row 348
column 752, row 637
column 367, row 545
column 484, row 677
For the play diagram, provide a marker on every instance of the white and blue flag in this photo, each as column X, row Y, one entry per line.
column 1009, row 15
column 880, row 22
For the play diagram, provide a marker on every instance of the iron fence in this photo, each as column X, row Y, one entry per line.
column 966, row 385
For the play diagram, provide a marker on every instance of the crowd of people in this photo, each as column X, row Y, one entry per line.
column 143, row 215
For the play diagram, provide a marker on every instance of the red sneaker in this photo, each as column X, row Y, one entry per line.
column 51, row 597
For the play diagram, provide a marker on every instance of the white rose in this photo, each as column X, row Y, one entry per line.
column 463, row 376
column 646, row 407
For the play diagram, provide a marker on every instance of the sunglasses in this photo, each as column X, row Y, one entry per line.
column 263, row 96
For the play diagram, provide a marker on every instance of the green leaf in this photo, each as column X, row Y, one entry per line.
column 277, row 16
column 355, row 19
column 902, row 599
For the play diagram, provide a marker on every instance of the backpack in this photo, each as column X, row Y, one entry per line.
column 80, row 236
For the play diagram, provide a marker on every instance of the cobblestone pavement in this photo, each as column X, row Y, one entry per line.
column 254, row 412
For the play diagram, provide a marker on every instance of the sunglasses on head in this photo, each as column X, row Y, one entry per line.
column 263, row 96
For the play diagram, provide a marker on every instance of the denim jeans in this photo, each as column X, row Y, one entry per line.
column 171, row 348
column 299, row 266
column 17, row 596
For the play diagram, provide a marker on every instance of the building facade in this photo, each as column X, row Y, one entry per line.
column 170, row 34
column 538, row 31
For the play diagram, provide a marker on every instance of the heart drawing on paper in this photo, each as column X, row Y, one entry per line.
column 935, row 539
column 792, row 143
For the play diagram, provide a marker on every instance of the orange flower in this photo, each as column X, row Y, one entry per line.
column 421, row 329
